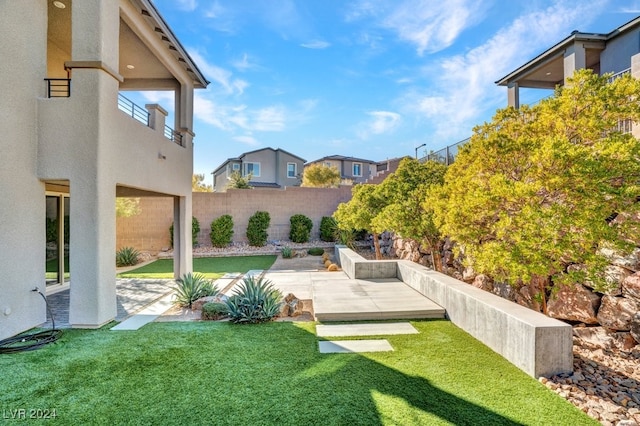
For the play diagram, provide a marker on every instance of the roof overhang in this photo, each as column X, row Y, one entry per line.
column 546, row 70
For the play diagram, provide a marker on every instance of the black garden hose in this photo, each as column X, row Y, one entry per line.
column 31, row 341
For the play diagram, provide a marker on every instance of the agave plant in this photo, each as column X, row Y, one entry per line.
column 287, row 252
column 127, row 256
column 191, row 287
column 255, row 300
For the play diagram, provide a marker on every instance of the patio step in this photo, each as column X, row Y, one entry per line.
column 363, row 300
column 364, row 329
column 353, row 346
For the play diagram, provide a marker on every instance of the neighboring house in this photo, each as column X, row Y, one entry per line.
column 352, row 170
column 616, row 52
column 268, row 167
column 71, row 144
column 385, row 168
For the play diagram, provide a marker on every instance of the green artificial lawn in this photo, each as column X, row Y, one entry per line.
column 218, row 373
column 210, row 267
column 52, row 268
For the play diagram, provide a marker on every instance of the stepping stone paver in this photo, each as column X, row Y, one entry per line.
column 374, row 329
column 147, row 315
column 353, row 346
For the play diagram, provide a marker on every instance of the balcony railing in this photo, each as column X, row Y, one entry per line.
column 445, row 155
column 134, row 111
column 619, row 74
column 172, row 135
column 58, row 87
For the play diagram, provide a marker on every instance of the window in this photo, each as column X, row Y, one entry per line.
column 236, row 166
column 291, row 170
column 357, row 169
column 252, row 169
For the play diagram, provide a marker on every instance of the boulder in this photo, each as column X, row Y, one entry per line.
column 527, row 296
column 483, row 282
column 635, row 327
column 630, row 261
column 631, row 287
column 291, row 306
column 503, row 290
column 197, row 305
column 574, row 303
column 468, row 274
column 617, row 312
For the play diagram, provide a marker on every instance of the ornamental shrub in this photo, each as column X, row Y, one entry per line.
column 300, row 228
column 328, row 227
column 315, row 251
column 257, row 228
column 221, row 231
column 214, row 310
column 287, row 253
column 195, row 229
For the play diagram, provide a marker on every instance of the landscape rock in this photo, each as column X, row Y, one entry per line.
column 631, row 286
column 617, row 312
column 574, row 303
column 197, row 305
column 503, row 290
column 292, row 306
column 634, row 327
column 527, row 295
column 483, row 282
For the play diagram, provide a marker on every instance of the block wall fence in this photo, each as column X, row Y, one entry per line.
column 149, row 231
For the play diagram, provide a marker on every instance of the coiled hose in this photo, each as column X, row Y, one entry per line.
column 32, row 341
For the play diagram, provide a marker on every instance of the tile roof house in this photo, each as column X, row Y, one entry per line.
column 268, row 167
column 72, row 143
column 352, row 170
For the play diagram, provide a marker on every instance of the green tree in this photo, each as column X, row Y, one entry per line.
column 198, row 185
column 237, row 181
column 127, row 207
column 530, row 195
column 321, row 176
column 407, row 213
column 366, row 203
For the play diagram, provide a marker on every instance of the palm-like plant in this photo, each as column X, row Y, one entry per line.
column 191, row 287
column 255, row 300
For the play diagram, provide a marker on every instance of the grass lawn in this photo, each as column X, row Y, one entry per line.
column 272, row 374
column 52, row 268
column 210, row 267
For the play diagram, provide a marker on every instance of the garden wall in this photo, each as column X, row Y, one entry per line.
column 149, row 231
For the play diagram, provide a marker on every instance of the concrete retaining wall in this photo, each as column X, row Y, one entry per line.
column 535, row 343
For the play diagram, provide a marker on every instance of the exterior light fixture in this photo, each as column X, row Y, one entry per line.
column 129, row 66
column 59, row 4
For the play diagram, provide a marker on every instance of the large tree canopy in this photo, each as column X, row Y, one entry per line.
column 406, row 212
column 198, row 185
column 530, row 195
column 321, row 176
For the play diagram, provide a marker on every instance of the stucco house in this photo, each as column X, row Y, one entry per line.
column 617, row 52
column 268, row 167
column 70, row 146
column 352, row 170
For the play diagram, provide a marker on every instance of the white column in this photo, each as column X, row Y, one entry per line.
column 182, row 245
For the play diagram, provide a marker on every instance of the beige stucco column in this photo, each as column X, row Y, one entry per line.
column 575, row 58
column 182, row 244
column 513, row 95
column 95, row 32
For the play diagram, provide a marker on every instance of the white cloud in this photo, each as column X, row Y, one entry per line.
column 221, row 76
column 316, row 44
column 380, row 122
column 270, row 119
column 429, row 26
column 462, row 86
column 244, row 63
column 246, row 139
column 188, row 5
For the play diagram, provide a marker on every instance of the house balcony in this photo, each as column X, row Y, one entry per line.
column 97, row 126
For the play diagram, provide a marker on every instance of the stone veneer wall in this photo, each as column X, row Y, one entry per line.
column 149, row 231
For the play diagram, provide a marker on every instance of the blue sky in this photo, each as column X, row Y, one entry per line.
column 365, row 78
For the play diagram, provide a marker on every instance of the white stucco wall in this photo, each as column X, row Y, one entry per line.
column 22, row 205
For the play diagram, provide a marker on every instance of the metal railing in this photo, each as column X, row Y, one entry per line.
column 619, row 74
column 58, row 87
column 134, row 111
column 446, row 155
column 173, row 135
